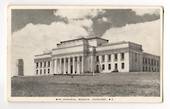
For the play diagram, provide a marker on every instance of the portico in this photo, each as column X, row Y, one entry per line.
column 68, row 65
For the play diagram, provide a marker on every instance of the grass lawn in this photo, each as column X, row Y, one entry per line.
column 111, row 84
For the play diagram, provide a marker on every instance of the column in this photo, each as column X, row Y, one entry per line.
column 112, row 62
column 59, row 65
column 73, row 65
column 53, row 66
column 56, row 65
column 78, row 65
column 93, row 64
column 106, row 63
column 69, row 65
column 64, row 66
column 82, row 64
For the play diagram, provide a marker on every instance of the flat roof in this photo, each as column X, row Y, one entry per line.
column 83, row 39
column 113, row 43
column 48, row 53
column 151, row 54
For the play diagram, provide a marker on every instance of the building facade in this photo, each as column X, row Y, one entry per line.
column 95, row 55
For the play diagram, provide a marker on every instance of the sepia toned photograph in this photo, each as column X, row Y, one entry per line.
column 85, row 53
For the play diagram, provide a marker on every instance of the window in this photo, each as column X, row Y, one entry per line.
column 154, row 62
column 48, row 63
column 103, row 67
column 103, row 58
column 157, row 63
column 37, row 72
column 123, row 65
column 40, row 72
column 115, row 57
column 40, row 64
column 122, row 56
column 109, row 66
column 109, row 57
column 48, row 71
column 116, row 66
column 37, row 65
column 44, row 71
column 97, row 58
column 145, row 60
column 44, row 64
column 149, row 61
column 135, row 57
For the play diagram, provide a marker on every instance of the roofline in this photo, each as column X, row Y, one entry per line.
column 83, row 39
column 72, row 40
column 96, row 38
column 114, row 43
column 44, row 54
column 151, row 54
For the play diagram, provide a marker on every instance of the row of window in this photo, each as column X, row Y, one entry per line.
column 150, row 69
column 45, row 71
column 150, row 61
column 71, row 59
column 115, row 66
column 109, row 57
column 40, row 64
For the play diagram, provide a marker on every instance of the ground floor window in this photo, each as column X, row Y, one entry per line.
column 97, row 68
column 40, row 72
column 37, row 72
column 44, row 71
column 123, row 65
column 103, row 67
column 48, row 71
column 109, row 66
column 116, row 66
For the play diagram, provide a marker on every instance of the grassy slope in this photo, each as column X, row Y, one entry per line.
column 115, row 84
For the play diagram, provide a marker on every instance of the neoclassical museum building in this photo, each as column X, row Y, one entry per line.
column 95, row 55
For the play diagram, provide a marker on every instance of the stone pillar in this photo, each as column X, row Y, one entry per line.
column 53, row 66
column 64, row 66
column 69, row 65
column 60, row 65
column 82, row 64
column 112, row 62
column 73, row 65
column 93, row 64
column 56, row 66
column 78, row 65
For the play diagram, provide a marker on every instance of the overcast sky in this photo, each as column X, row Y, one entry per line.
column 35, row 31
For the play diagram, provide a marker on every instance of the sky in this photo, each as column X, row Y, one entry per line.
column 37, row 31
